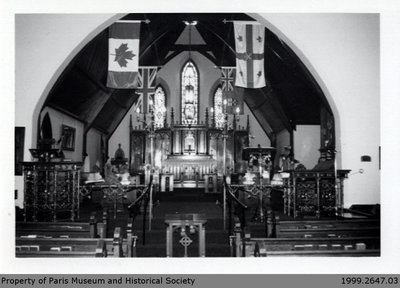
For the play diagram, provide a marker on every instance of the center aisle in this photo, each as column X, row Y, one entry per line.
column 184, row 200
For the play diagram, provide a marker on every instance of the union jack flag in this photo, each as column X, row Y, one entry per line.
column 233, row 95
column 227, row 78
column 146, row 86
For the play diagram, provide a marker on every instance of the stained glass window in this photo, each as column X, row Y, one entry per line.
column 218, row 108
column 190, row 94
column 159, row 107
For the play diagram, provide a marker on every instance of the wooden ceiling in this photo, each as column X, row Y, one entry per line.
column 291, row 97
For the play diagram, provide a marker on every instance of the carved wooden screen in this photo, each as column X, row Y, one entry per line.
column 230, row 153
column 218, row 108
column 241, row 141
column 19, row 149
column 161, row 149
column 159, row 107
column 138, row 144
column 327, row 129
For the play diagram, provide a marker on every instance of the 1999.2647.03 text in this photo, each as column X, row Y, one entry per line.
column 376, row 280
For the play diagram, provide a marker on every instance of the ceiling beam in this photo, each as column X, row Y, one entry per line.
column 272, row 99
column 93, row 79
column 62, row 110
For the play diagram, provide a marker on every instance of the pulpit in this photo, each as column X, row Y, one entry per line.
column 260, row 158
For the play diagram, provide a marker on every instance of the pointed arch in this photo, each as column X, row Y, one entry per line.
column 189, row 93
column 160, row 106
column 218, row 113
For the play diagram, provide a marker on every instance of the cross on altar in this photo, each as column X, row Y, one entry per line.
column 190, row 150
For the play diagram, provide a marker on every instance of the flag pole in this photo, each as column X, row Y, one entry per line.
column 239, row 21
column 147, row 21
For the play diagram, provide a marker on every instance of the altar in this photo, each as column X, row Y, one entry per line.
column 188, row 151
column 189, row 168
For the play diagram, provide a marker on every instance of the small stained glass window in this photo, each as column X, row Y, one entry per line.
column 218, row 108
column 159, row 107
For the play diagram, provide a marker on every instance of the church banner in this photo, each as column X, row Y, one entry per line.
column 233, row 95
column 145, row 88
column 249, row 41
column 123, row 54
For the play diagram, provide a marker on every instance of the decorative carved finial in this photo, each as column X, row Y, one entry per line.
column 172, row 117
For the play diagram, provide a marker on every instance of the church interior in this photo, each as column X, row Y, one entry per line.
column 189, row 161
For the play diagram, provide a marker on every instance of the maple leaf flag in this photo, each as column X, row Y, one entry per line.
column 249, row 41
column 123, row 54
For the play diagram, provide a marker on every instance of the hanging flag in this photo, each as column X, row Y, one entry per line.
column 146, row 85
column 123, row 54
column 232, row 94
column 249, row 40
column 227, row 78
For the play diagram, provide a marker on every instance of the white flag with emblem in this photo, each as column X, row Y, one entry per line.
column 249, row 41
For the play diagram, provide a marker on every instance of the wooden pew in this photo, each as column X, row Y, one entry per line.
column 30, row 250
column 71, row 247
column 327, row 228
column 326, row 253
column 131, row 239
column 266, row 247
column 91, row 229
column 322, row 238
column 314, row 223
column 58, row 229
column 102, row 226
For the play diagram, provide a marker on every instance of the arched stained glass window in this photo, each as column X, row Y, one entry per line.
column 190, row 94
column 218, row 108
column 159, row 107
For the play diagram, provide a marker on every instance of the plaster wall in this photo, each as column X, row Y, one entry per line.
column 342, row 53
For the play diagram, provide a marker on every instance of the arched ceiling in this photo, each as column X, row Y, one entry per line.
column 291, row 97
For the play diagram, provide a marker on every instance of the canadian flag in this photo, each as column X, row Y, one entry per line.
column 123, row 54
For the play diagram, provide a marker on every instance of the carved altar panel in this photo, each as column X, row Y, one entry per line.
column 202, row 142
column 230, row 153
column 177, row 142
column 189, row 168
column 189, row 142
column 220, row 153
column 213, row 145
column 138, row 146
column 161, row 149
column 327, row 129
column 314, row 193
column 51, row 190
column 241, row 140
